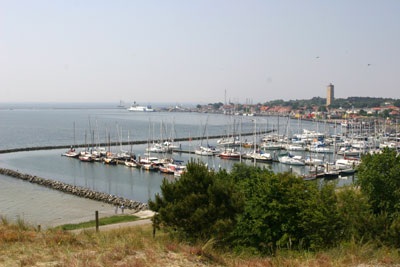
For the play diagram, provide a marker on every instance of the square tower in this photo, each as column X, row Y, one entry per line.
column 330, row 94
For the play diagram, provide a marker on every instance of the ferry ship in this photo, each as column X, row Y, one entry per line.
column 136, row 107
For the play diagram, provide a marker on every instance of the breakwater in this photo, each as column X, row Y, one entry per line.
column 141, row 142
column 76, row 190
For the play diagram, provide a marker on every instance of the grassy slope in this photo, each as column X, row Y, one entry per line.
column 135, row 246
column 102, row 221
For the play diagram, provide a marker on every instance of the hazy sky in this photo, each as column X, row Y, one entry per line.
column 191, row 51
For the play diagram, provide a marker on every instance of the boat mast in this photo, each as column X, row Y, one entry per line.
column 74, row 134
column 240, row 137
column 255, row 140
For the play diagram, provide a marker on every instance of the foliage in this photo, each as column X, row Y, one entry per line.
column 356, row 102
column 284, row 211
column 379, row 180
column 356, row 214
column 253, row 209
column 200, row 205
column 362, row 112
column 249, row 208
column 216, row 105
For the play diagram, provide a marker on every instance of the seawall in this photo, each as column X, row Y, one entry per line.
column 12, row 150
column 76, row 190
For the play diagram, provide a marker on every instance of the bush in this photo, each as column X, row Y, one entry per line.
column 200, row 205
column 379, row 180
column 284, row 211
column 356, row 214
column 255, row 210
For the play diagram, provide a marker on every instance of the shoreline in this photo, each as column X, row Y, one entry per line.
column 76, row 190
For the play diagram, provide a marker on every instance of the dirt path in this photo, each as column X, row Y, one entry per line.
column 113, row 226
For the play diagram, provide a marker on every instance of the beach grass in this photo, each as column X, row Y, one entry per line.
column 136, row 246
column 102, row 221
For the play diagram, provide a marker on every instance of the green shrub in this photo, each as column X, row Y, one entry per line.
column 356, row 214
column 284, row 211
column 379, row 180
column 199, row 205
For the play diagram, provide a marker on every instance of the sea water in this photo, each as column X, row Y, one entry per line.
column 53, row 125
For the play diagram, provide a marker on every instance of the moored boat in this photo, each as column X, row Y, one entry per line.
column 71, row 153
column 292, row 160
column 229, row 154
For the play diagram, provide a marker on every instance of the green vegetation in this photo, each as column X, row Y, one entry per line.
column 102, row 221
column 350, row 102
column 216, row 106
column 199, row 205
column 248, row 217
column 379, row 180
column 255, row 210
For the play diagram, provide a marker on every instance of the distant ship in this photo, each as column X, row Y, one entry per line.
column 136, row 107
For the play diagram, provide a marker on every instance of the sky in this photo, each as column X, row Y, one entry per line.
column 192, row 51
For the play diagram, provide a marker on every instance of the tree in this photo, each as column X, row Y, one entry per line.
column 281, row 210
column 397, row 103
column 379, row 180
column 362, row 112
column 200, row 205
column 356, row 214
column 198, row 106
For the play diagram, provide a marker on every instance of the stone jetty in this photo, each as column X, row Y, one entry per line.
column 36, row 148
column 76, row 190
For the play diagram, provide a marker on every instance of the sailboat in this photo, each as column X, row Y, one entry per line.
column 205, row 150
column 72, row 153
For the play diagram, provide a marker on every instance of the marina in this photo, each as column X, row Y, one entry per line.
column 129, row 154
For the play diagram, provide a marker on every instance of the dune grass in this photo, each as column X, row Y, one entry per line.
column 102, row 221
column 135, row 246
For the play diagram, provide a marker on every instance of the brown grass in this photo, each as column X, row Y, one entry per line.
column 21, row 245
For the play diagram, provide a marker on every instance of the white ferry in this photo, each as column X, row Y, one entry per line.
column 136, row 107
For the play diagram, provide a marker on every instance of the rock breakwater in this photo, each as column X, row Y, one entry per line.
column 76, row 190
column 13, row 150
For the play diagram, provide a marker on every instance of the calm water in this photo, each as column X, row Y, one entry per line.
column 42, row 126
column 39, row 205
column 34, row 126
